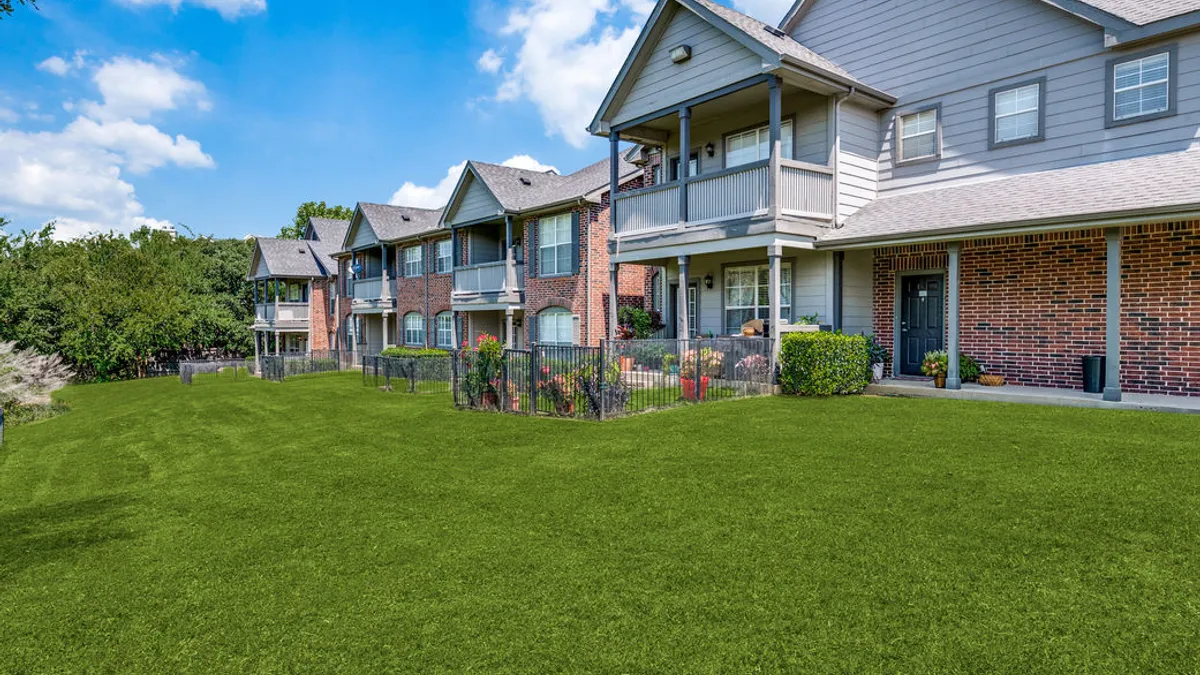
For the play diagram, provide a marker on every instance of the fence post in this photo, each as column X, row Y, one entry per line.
column 699, row 375
column 603, row 368
column 533, row 375
column 505, row 403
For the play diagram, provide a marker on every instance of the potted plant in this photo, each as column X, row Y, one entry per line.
column 696, row 371
column 670, row 364
column 936, row 365
column 514, row 397
column 879, row 357
column 490, row 361
column 560, row 389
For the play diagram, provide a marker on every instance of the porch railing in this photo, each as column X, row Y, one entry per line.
column 289, row 313
column 806, row 190
column 740, row 192
column 368, row 289
column 488, row 278
column 648, row 209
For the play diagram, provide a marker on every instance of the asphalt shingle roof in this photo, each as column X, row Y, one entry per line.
column 290, row 258
column 1130, row 186
column 1142, row 12
column 392, row 223
column 329, row 230
column 525, row 190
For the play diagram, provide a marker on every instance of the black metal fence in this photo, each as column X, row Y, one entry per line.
column 409, row 374
column 278, row 368
column 187, row 370
column 616, row 379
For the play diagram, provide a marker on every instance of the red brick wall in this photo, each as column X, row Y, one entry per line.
column 1033, row 306
column 322, row 320
column 427, row 295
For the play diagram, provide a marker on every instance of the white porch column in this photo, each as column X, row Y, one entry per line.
column 682, row 319
column 613, row 289
column 277, row 352
column 775, row 254
column 953, row 377
column 1112, row 329
column 775, row 97
column 257, row 355
column 508, row 328
column 455, row 342
column 384, row 291
column 685, row 162
column 383, row 324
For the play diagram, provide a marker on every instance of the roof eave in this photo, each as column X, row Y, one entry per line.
column 1183, row 23
column 846, row 83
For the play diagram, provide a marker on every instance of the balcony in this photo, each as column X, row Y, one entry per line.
column 368, row 295
column 803, row 190
column 489, row 283
column 284, row 316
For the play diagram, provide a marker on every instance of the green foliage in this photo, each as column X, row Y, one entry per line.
column 6, row 6
column 879, row 353
column 969, row 369
column 17, row 415
column 409, row 353
column 824, row 364
column 638, row 324
column 111, row 305
column 313, row 210
column 809, row 320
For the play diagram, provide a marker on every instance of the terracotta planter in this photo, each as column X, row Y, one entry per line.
column 626, row 363
column 689, row 389
column 514, row 404
column 940, row 381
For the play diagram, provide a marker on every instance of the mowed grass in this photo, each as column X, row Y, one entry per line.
column 321, row 526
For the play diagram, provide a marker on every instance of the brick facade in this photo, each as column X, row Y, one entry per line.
column 427, row 295
column 321, row 320
column 1032, row 306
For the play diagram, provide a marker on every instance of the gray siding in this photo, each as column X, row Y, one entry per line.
column 857, row 292
column 477, row 202
column 363, row 236
column 261, row 271
column 717, row 60
column 858, row 164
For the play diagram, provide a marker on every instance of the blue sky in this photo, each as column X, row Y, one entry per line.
column 224, row 115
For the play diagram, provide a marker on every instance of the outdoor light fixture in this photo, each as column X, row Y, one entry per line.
column 708, row 281
column 681, row 53
column 710, row 149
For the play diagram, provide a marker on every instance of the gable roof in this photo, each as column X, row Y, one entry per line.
column 776, row 48
column 1146, row 186
column 287, row 258
column 393, row 223
column 523, row 190
column 326, row 229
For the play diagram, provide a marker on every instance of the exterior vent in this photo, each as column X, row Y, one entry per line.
column 405, row 218
column 526, row 181
column 775, row 31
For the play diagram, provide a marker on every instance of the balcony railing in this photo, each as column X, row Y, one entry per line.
column 290, row 314
column 804, row 190
column 489, row 278
column 368, row 289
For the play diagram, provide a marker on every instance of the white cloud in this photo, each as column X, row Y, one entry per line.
column 55, row 65
column 75, row 176
column 424, row 197
column 490, row 62
column 228, row 9
column 133, row 88
column 9, row 116
column 569, row 52
column 769, row 11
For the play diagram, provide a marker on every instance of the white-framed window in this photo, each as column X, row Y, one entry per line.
column 414, row 329
column 556, row 326
column 414, row 256
column 918, row 135
column 1141, row 86
column 445, row 256
column 444, row 323
column 693, row 308
column 555, row 247
column 755, row 145
column 748, row 295
column 1017, row 114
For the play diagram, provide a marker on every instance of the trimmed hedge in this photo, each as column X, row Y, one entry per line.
column 824, row 364
column 410, row 353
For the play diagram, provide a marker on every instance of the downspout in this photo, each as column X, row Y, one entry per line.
column 837, row 156
column 425, row 259
column 590, row 267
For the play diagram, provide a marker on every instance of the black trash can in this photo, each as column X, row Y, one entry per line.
column 1093, row 374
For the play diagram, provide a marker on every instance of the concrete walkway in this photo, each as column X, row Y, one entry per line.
column 1036, row 395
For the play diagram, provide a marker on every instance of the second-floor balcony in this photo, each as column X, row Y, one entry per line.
column 500, row 282
column 282, row 316
column 372, row 294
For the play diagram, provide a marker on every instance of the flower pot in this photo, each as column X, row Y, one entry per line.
column 940, row 381
column 514, row 404
column 877, row 372
column 626, row 363
column 689, row 389
column 491, row 401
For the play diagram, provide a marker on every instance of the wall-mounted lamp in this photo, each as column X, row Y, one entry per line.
column 710, row 150
column 681, row 53
column 708, row 281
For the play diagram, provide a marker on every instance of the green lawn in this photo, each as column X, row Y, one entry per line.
column 321, row 526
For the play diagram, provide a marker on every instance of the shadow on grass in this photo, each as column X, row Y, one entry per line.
column 38, row 535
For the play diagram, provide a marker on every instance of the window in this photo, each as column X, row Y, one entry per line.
column 693, row 166
column 918, row 135
column 445, row 260
column 656, row 292
column 1017, row 114
column 755, row 144
column 748, row 295
column 414, row 329
column 413, row 259
column 1140, row 87
column 444, row 323
column 295, row 292
column 555, row 248
column 693, row 309
column 556, row 326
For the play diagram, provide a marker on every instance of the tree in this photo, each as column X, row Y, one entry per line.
column 313, row 210
column 6, row 6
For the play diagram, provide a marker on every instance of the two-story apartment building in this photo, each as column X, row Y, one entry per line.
column 1016, row 179
column 294, row 282
column 532, row 253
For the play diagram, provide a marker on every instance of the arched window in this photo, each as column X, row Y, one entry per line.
column 556, row 326
column 414, row 329
column 445, row 330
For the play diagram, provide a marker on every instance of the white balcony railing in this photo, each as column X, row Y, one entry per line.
column 488, row 278
column 366, row 290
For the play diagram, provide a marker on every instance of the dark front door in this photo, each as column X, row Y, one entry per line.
column 922, row 320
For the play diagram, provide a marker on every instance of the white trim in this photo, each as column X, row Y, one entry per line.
column 1165, row 82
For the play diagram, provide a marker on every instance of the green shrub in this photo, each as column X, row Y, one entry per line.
column 969, row 369
column 410, row 352
column 824, row 364
column 16, row 415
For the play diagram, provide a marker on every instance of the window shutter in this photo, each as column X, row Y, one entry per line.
column 575, row 330
column 575, row 243
column 531, row 251
column 533, row 329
